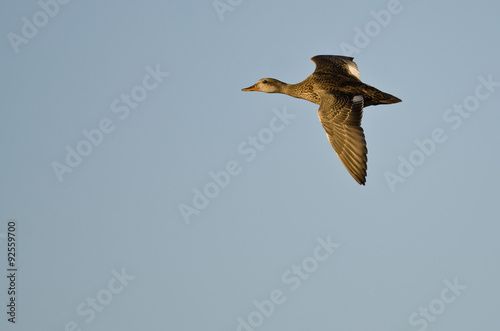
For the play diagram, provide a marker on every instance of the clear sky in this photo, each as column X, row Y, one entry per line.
column 146, row 191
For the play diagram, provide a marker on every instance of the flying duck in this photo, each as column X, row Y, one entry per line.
column 336, row 87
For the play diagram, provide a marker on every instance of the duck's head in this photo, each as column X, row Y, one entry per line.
column 268, row 85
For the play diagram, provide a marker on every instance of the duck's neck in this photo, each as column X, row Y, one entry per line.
column 292, row 90
column 284, row 88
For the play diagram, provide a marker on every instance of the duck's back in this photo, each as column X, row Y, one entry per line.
column 337, row 75
column 340, row 74
column 371, row 95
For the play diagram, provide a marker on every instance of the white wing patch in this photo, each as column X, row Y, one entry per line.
column 353, row 69
column 357, row 98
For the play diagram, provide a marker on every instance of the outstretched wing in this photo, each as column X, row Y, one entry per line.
column 340, row 115
column 336, row 64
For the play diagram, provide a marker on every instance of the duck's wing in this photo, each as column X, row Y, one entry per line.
column 340, row 115
column 336, row 64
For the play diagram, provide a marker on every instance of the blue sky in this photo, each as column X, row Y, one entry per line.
column 149, row 192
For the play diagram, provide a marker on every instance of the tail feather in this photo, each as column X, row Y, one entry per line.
column 388, row 98
column 374, row 96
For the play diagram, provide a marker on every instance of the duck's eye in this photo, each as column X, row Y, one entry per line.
column 264, row 81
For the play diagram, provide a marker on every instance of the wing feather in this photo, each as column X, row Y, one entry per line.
column 341, row 116
column 336, row 64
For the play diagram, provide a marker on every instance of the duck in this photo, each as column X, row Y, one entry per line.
column 335, row 85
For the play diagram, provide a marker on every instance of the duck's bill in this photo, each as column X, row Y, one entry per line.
column 251, row 88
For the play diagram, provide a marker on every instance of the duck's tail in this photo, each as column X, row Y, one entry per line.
column 377, row 97
column 388, row 98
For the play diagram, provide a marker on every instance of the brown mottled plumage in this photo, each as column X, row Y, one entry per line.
column 336, row 87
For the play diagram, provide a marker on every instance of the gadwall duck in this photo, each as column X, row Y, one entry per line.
column 335, row 85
